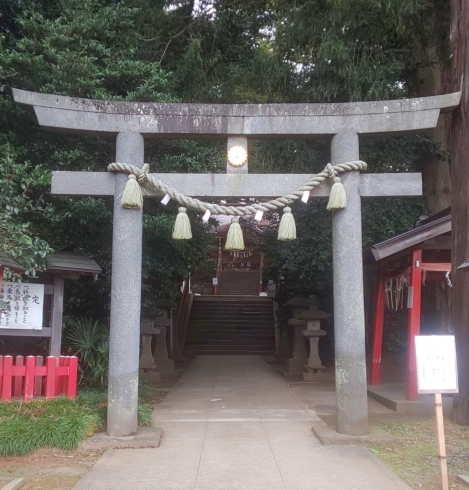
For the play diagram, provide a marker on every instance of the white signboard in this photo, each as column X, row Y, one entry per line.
column 25, row 303
column 436, row 364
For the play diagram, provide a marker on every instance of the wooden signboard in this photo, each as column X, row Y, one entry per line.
column 24, row 306
column 437, row 373
column 436, row 364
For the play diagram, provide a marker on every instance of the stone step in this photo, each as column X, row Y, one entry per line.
column 234, row 283
column 232, row 318
column 230, row 299
column 249, row 344
column 232, row 315
column 230, row 325
column 232, row 342
column 231, row 307
column 235, row 352
column 233, row 333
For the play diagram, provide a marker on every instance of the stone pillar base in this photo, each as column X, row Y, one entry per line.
column 150, row 376
column 284, row 350
column 294, row 368
column 165, row 366
column 318, row 377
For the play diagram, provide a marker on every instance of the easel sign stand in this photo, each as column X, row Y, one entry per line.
column 437, row 373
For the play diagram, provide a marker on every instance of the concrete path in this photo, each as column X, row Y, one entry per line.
column 232, row 423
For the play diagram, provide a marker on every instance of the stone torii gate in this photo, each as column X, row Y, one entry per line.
column 131, row 122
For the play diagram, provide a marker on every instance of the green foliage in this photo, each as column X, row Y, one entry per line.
column 92, row 51
column 224, row 52
column 89, row 341
column 19, row 203
column 166, row 261
column 61, row 423
column 305, row 263
column 144, row 414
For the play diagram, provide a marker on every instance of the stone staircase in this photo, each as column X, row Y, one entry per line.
column 231, row 325
column 239, row 283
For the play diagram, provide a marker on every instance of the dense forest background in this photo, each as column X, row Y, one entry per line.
column 220, row 51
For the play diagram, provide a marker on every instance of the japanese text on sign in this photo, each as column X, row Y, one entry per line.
column 436, row 364
column 22, row 305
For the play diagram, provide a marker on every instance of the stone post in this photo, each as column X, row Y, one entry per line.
column 349, row 315
column 125, row 298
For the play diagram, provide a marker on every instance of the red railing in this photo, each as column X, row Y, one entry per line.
column 32, row 378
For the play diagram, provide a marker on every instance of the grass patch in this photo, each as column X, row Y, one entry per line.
column 416, row 460
column 61, row 423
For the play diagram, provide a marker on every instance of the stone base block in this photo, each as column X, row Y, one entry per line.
column 463, row 479
column 294, row 368
column 12, row 484
column 327, row 435
column 165, row 367
column 147, row 437
column 150, row 376
column 318, row 377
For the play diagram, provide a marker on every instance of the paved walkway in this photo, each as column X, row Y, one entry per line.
column 232, row 423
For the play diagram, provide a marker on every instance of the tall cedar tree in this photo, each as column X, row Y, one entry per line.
column 460, row 200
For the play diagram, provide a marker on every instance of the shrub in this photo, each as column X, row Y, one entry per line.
column 89, row 341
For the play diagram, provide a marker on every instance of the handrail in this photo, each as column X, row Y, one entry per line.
column 219, row 268
column 261, row 269
column 182, row 312
column 217, row 285
column 187, row 315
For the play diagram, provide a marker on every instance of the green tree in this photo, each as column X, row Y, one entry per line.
column 222, row 51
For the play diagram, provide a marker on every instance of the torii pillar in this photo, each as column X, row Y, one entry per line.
column 131, row 122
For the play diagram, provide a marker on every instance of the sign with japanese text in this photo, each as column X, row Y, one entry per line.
column 436, row 364
column 22, row 305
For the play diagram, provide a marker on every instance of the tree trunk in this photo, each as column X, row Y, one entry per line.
column 435, row 170
column 460, row 200
column 432, row 79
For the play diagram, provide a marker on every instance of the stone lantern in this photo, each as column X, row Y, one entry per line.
column 163, row 321
column 148, row 331
column 300, row 354
column 154, row 324
column 313, row 316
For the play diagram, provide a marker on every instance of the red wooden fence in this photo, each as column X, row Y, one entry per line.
column 34, row 379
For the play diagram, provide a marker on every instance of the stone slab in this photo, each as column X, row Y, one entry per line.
column 463, row 479
column 263, row 445
column 264, row 186
column 391, row 117
column 393, row 396
column 150, row 376
column 318, row 377
column 328, row 435
column 294, row 368
column 165, row 366
column 14, row 484
column 147, row 437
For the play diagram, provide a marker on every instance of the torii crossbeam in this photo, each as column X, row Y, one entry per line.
column 343, row 123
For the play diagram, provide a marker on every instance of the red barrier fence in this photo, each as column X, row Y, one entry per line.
column 34, row 379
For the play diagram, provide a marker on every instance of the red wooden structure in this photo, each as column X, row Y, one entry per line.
column 30, row 379
column 406, row 254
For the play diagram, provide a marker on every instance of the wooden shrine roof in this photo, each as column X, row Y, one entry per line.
column 72, row 262
column 426, row 233
column 6, row 261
